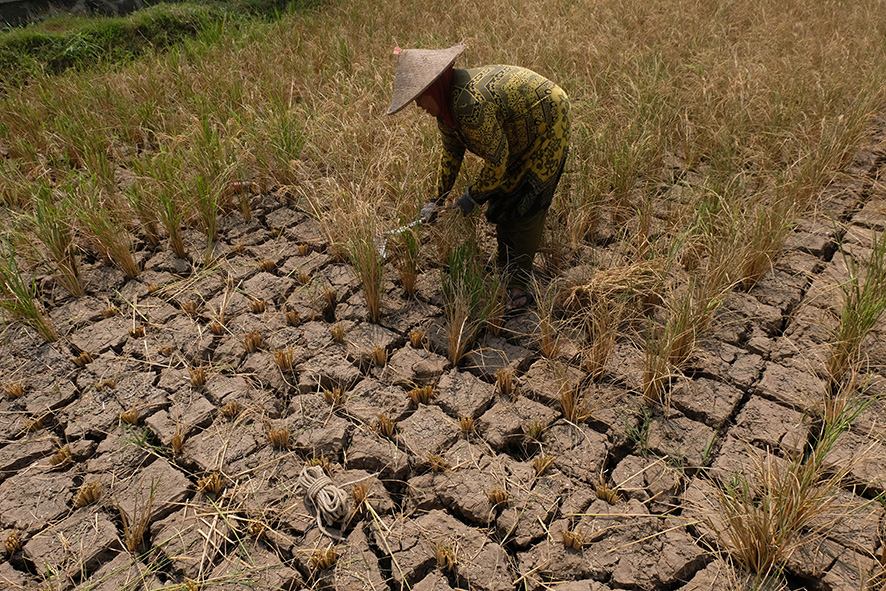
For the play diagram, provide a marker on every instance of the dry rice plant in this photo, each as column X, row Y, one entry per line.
column 338, row 333
column 573, row 539
column 504, row 382
column 446, row 556
column 764, row 518
column 285, row 359
column 51, row 225
column 267, row 265
column 135, row 525
column 278, row 438
column 198, row 376
column 61, row 458
column 19, row 298
column 252, row 341
column 466, row 425
column 335, row 397
column 379, row 356
column 130, row 417
column 864, row 302
column 438, row 463
column 293, row 318
column 14, row 390
column 212, row 484
column 324, row 559
column 177, row 441
column 87, row 494
column 421, row 394
column 542, row 463
column 416, row 339
column 386, row 426
column 497, row 497
column 257, row 306
column 231, row 409
column 12, row 543
column 469, row 296
column 535, row 430
column 574, row 403
column 368, row 263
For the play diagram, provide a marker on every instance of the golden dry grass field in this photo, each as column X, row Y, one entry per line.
column 196, row 316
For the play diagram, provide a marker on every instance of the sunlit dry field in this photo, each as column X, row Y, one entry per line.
column 196, row 313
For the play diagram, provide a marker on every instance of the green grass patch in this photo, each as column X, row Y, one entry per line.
column 67, row 42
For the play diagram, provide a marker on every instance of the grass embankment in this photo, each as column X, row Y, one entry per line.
column 63, row 42
column 701, row 131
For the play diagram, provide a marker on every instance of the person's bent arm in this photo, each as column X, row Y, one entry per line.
column 450, row 162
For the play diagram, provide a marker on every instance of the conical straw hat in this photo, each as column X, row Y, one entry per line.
column 416, row 71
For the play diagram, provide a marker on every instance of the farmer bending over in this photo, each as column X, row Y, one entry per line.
column 516, row 121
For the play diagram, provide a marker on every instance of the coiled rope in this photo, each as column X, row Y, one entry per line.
column 327, row 502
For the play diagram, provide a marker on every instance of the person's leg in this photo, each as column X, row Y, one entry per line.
column 518, row 241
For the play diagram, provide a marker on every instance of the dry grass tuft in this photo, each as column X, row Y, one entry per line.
column 87, row 494
column 322, row 461
column 542, row 464
column 447, row 560
column 421, row 394
column 278, row 438
column 304, row 250
column 504, row 382
column 575, row 404
column 190, row 307
column 285, row 359
column 257, row 306
column 360, row 493
column 573, row 539
column 212, row 484
column 12, row 543
column 416, row 339
column 324, row 559
column 437, row 463
column 109, row 383
column 231, row 409
column 252, row 341
column 110, row 312
column 293, row 318
column 216, row 328
column 137, row 332
column 267, row 265
column 198, row 376
column 14, row 390
column 177, row 441
column 497, row 496
column 135, row 525
column 61, row 458
column 256, row 528
column 303, row 277
column 83, row 359
column 607, row 493
column 379, row 356
column 338, row 333
column 466, row 425
column 334, row 396
column 386, row 426
column 535, row 430
column 130, row 417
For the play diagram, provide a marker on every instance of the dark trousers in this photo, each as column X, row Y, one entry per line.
column 518, row 242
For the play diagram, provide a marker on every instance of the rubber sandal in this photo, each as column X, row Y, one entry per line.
column 517, row 299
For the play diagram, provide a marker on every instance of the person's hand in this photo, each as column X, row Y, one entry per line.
column 428, row 213
column 465, row 203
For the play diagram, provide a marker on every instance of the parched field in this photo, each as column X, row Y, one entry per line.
column 695, row 401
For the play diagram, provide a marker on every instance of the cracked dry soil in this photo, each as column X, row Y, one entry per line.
column 193, row 465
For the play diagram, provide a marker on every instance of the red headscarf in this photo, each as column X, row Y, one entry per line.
column 439, row 91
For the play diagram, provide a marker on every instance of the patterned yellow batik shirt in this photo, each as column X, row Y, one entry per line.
column 516, row 121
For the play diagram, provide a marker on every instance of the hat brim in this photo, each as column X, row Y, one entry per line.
column 417, row 69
